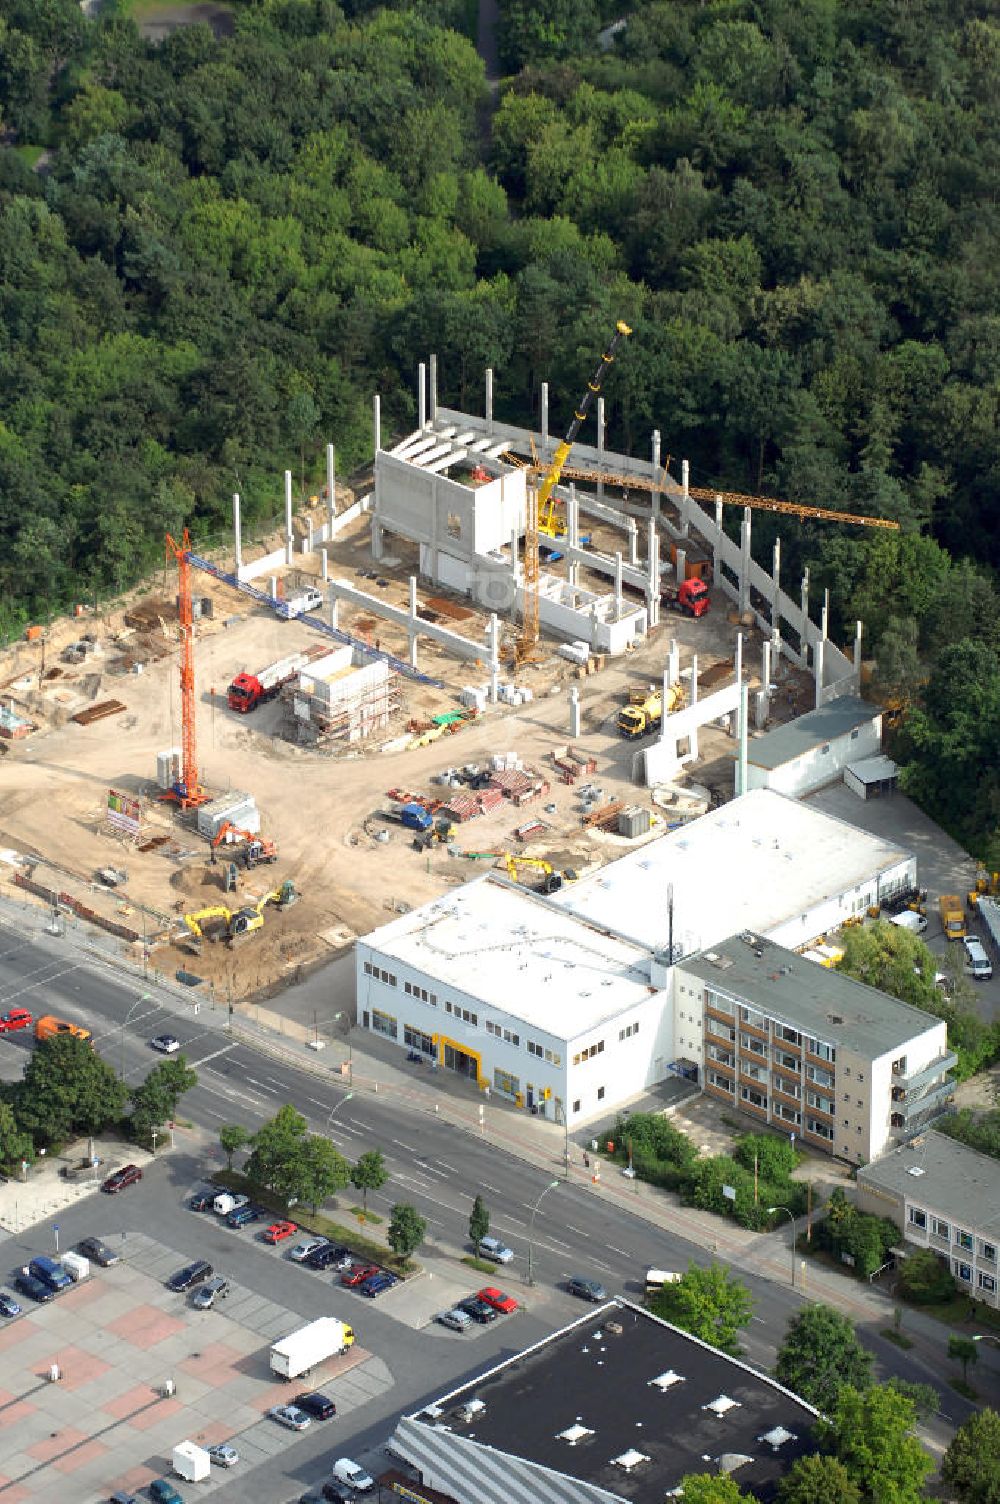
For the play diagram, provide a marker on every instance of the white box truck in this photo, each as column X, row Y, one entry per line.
column 191, row 1462
column 76, row 1266
column 295, row 1355
column 306, row 600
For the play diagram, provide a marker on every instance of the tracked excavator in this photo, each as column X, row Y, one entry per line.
column 240, row 924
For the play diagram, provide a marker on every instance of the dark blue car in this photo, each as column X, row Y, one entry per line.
column 377, row 1284
column 243, row 1215
column 327, row 1257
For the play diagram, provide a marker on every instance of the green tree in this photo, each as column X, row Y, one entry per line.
column 709, row 1303
column 819, row 1354
column 15, row 1144
column 233, row 1137
column 479, row 1223
column 871, row 1433
column 963, row 1350
column 971, row 1465
column 407, row 1229
column 67, row 1089
column 319, row 1170
column 924, row 1397
column 154, row 1101
column 711, row 1488
column 275, row 1148
column 925, row 1279
column 369, row 1174
column 817, row 1480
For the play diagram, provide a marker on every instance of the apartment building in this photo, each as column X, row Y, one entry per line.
column 839, row 1065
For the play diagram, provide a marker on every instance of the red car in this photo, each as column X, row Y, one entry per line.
column 505, row 1304
column 127, row 1175
column 359, row 1274
column 17, row 1018
column 279, row 1231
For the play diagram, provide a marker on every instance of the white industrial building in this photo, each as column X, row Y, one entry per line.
column 814, row 749
column 566, row 1005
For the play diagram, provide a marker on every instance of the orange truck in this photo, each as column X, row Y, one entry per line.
column 49, row 1027
column 952, row 916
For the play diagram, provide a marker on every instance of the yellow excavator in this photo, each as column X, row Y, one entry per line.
column 987, row 886
column 551, row 881
column 241, row 923
column 644, row 711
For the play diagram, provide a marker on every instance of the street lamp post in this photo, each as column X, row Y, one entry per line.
column 531, row 1226
column 350, row 1046
column 791, row 1217
column 143, row 999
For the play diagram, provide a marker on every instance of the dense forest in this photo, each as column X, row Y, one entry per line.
column 214, row 249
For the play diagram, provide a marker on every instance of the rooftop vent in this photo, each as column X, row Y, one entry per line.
column 777, row 1436
column 614, row 1327
column 730, row 1461
column 722, row 963
column 665, row 1381
column 630, row 1459
column 835, row 1018
column 722, row 1405
column 574, row 1433
column 469, row 1410
column 917, row 1170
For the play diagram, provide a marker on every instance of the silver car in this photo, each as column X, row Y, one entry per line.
column 290, row 1416
column 458, row 1321
column 224, row 1454
column 205, row 1296
column 302, row 1250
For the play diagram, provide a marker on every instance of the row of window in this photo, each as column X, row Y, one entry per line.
column 628, row 1031
column 379, row 974
column 779, row 1031
column 963, row 1272
column 412, row 990
column 958, row 1235
column 465, row 1014
column 501, row 1033
column 589, row 1052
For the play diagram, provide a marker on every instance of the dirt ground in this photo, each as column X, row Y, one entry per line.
column 54, row 784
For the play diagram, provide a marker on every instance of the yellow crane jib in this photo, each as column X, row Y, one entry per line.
column 622, row 331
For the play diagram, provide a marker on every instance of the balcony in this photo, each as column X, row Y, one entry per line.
column 912, row 1108
column 913, row 1080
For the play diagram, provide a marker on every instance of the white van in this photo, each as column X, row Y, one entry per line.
column 977, row 963
column 656, row 1279
column 307, row 600
column 910, row 920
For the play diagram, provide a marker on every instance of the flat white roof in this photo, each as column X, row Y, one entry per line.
column 517, row 954
column 752, row 864
column 873, row 769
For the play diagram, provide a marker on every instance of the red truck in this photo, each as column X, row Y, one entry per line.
column 247, row 691
column 690, row 597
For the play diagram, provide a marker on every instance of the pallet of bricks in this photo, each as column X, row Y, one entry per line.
column 520, row 786
column 571, row 765
column 462, row 807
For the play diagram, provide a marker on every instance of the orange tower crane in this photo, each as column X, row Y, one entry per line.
column 187, row 792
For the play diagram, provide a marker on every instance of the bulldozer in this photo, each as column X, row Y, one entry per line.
column 644, row 711
column 240, row 924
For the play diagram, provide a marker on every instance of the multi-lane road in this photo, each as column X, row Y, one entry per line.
column 432, row 1164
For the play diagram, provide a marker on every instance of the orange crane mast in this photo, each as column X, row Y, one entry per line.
column 187, row 792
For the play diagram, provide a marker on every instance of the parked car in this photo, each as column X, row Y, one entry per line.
column 190, row 1275
column 977, row 963
column 478, row 1310
column 492, row 1248
column 290, row 1416
column 167, row 1044
column 119, row 1179
column 327, row 1257
column 301, row 1251
column 33, row 1288
column 586, row 1289
column 505, row 1304
column 319, row 1406
column 378, row 1284
column 121, row 1496
column 8, row 1305
column 14, row 1019
column 205, row 1296
column 458, row 1320
column 202, row 1201
column 336, row 1493
column 242, row 1216
column 358, row 1274
column 279, row 1231
column 162, row 1491
column 224, row 1454
column 353, row 1474
column 98, row 1252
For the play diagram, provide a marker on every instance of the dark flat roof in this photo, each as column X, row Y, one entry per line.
column 815, row 729
column 600, row 1374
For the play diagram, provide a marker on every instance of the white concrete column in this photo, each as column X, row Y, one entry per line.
column 824, row 617
column 673, row 669
column 693, row 738
column 804, row 608
column 600, row 445
column 819, row 652
column 288, row 516
column 377, row 421
column 274, row 587
column 573, row 533
column 334, row 604
column 307, row 542
column 775, row 580
column 739, row 657
column 377, row 539
column 618, row 587
column 680, row 564
column 494, row 640
column 744, row 732
column 765, row 668
column 655, row 509
column 515, row 548
column 331, row 484
column 857, row 649
column 433, row 388
column 237, row 534
column 324, row 559
column 489, row 400
column 421, row 396
column 412, row 628
column 718, row 511
column 545, row 417
column 574, row 712
column 653, row 605
column 685, row 497
column 745, row 561
column 632, row 528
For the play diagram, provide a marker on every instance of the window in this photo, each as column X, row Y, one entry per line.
column 421, row 992
column 510, row 1038
column 988, row 1251
column 791, row 1035
column 940, row 1229
column 368, row 969
column 509, row 1086
column 823, row 1051
column 576, row 1105
column 860, row 1102
column 790, row 1114
column 861, row 1074
column 716, row 1052
column 755, row 1098
column 962, row 1271
column 589, row 1052
column 753, row 1046
column 965, row 1240
column 820, row 1077
column 380, row 975
column 789, row 1088
column 629, row 1030
column 790, row 1062
column 722, row 1082
column 535, row 1049
column 847, row 1096
column 600, row 1093
column 823, row 1104
column 416, row 1039
column 384, row 1023
column 987, row 1282
column 819, row 1129
column 753, row 1018
column 918, row 1217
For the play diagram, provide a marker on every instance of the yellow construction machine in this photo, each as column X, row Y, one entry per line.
column 987, row 886
column 551, row 881
column 644, row 711
column 240, row 923
column 254, row 848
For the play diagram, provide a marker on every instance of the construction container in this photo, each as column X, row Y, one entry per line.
column 168, row 768
column 237, row 808
column 633, row 822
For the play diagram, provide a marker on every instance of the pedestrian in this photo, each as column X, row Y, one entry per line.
column 586, row 1160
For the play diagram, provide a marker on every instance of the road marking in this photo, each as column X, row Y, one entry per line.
column 578, row 1230
column 213, row 1114
column 430, row 1169
column 626, row 1253
column 509, row 1217
column 450, row 1168
column 343, row 1128
column 276, row 1082
column 320, row 1105
column 259, row 1084
column 214, row 1056
column 400, row 1145
column 568, row 1247
column 492, row 1188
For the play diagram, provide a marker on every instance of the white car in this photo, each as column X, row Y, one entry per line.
column 977, row 962
column 290, row 1416
column 492, row 1248
column 458, row 1321
column 224, row 1455
column 167, row 1044
column 353, row 1475
column 301, row 1251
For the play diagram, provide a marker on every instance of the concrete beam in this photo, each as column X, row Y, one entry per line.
column 421, row 395
column 462, row 647
column 288, row 516
column 377, row 422
column 433, row 389
column 489, row 401
column 331, row 483
column 237, row 534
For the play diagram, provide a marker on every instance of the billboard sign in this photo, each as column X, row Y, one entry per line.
column 124, row 813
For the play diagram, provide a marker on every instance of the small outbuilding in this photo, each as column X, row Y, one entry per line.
column 815, row 749
column 872, row 778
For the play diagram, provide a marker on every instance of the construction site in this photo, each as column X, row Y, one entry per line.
column 495, row 647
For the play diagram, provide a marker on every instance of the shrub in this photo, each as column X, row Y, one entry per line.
column 925, row 1279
